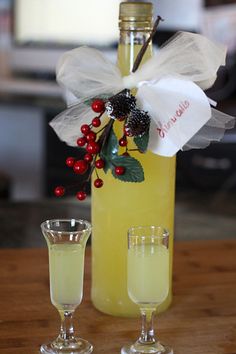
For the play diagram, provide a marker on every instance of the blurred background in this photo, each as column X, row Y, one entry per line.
column 33, row 35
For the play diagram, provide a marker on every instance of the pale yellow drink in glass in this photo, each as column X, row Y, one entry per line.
column 148, row 274
column 66, row 240
column 148, row 282
column 117, row 205
column 66, row 266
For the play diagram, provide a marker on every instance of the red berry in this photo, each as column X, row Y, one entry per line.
column 91, row 136
column 98, row 183
column 93, row 147
column 123, row 141
column 81, row 141
column 127, row 131
column 98, row 106
column 70, row 161
column 119, row 170
column 126, row 154
column 88, row 157
column 81, row 195
column 80, row 167
column 85, row 129
column 100, row 163
column 96, row 122
column 59, row 191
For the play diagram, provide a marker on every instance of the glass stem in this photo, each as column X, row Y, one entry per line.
column 147, row 331
column 67, row 328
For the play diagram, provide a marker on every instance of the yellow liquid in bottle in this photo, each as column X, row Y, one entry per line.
column 66, row 267
column 119, row 205
column 148, row 274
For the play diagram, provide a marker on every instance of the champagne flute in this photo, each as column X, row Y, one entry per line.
column 148, row 282
column 66, row 240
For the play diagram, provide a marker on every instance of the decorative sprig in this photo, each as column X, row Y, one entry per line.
column 102, row 147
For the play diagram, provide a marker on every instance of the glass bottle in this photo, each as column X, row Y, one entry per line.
column 120, row 205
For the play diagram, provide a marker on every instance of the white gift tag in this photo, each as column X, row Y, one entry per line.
column 178, row 108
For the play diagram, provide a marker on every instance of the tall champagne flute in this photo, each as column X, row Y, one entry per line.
column 148, row 282
column 66, row 240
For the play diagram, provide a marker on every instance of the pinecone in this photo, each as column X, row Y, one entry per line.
column 138, row 123
column 120, row 105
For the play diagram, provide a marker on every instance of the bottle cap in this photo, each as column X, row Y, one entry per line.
column 135, row 15
column 136, row 9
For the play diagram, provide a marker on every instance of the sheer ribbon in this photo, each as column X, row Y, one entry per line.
column 166, row 84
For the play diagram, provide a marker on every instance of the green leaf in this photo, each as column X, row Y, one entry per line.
column 142, row 142
column 109, row 153
column 110, row 150
column 133, row 169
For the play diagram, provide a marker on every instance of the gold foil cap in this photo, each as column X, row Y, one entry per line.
column 135, row 15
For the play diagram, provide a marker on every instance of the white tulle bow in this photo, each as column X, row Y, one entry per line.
column 169, row 86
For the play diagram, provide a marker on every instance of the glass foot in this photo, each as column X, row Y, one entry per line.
column 77, row 346
column 155, row 348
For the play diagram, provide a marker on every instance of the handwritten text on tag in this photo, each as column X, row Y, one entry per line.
column 179, row 108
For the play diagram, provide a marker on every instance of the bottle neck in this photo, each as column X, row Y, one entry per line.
column 133, row 37
column 129, row 46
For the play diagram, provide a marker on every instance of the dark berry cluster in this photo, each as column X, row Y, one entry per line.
column 120, row 105
column 138, row 123
column 123, row 108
